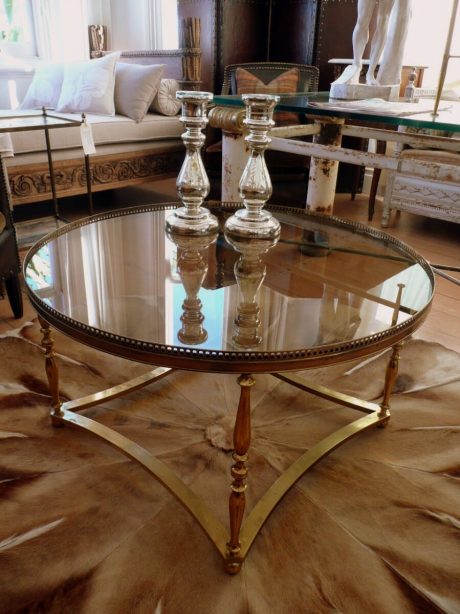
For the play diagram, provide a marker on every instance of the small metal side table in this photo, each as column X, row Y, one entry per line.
column 46, row 122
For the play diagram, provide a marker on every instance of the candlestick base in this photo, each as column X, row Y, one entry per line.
column 261, row 225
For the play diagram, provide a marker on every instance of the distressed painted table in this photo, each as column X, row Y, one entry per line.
column 326, row 129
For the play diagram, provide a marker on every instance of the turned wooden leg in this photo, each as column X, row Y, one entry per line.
column 239, row 471
column 50, row 367
column 390, row 379
column 381, row 149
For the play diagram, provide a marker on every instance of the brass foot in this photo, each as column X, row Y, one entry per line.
column 233, row 565
column 385, row 420
column 57, row 421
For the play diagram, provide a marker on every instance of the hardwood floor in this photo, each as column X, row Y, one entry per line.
column 437, row 241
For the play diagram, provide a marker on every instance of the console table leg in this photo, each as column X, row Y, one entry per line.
column 322, row 180
column 88, row 184
column 390, row 379
column 51, row 368
column 51, row 170
column 239, row 472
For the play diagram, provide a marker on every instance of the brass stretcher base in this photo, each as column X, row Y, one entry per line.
column 233, row 546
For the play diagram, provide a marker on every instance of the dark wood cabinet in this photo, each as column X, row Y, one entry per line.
column 292, row 30
column 231, row 31
column 303, row 31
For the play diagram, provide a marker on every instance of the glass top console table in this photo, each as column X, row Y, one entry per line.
column 365, row 119
column 323, row 292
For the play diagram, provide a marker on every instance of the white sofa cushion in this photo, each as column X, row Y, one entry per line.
column 165, row 101
column 135, row 88
column 107, row 130
column 45, row 88
column 88, row 87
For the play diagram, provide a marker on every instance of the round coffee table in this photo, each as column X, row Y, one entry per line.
column 325, row 292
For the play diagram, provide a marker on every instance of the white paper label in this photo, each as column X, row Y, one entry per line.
column 87, row 138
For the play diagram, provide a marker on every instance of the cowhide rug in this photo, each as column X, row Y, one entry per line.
column 374, row 527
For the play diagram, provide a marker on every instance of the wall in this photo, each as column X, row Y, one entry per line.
column 130, row 23
column 236, row 31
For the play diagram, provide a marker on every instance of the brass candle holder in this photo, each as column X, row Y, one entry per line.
column 192, row 182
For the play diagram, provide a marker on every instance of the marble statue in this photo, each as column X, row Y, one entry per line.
column 392, row 59
column 366, row 10
column 387, row 47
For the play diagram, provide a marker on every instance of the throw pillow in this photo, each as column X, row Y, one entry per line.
column 45, row 87
column 285, row 83
column 165, row 101
column 135, row 88
column 88, row 87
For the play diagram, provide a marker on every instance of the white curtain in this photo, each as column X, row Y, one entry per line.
column 61, row 29
column 163, row 24
column 155, row 8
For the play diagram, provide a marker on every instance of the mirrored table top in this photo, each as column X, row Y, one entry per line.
column 327, row 290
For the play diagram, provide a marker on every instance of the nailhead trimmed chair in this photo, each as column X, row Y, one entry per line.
column 436, row 197
column 271, row 75
column 268, row 71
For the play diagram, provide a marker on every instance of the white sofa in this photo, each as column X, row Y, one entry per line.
column 126, row 152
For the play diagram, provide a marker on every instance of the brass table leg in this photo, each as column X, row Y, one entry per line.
column 239, row 471
column 234, row 545
column 390, row 378
column 51, row 369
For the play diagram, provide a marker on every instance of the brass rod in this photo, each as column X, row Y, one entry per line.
column 445, row 59
column 112, row 393
column 445, row 267
column 264, row 507
column 347, row 250
column 446, row 276
column 397, row 307
column 326, row 393
column 207, row 521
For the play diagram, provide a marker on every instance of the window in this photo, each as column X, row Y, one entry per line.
column 17, row 36
column 431, row 23
column 163, row 24
column 170, row 25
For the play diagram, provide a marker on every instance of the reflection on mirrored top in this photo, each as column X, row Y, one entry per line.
column 324, row 281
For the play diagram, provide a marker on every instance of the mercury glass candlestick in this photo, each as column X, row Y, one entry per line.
column 250, row 272
column 255, row 185
column 192, row 182
column 192, row 266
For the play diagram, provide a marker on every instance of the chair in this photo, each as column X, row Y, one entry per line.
column 437, row 194
column 10, row 265
column 437, row 197
column 268, row 71
column 283, row 163
column 267, row 77
column 411, row 93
